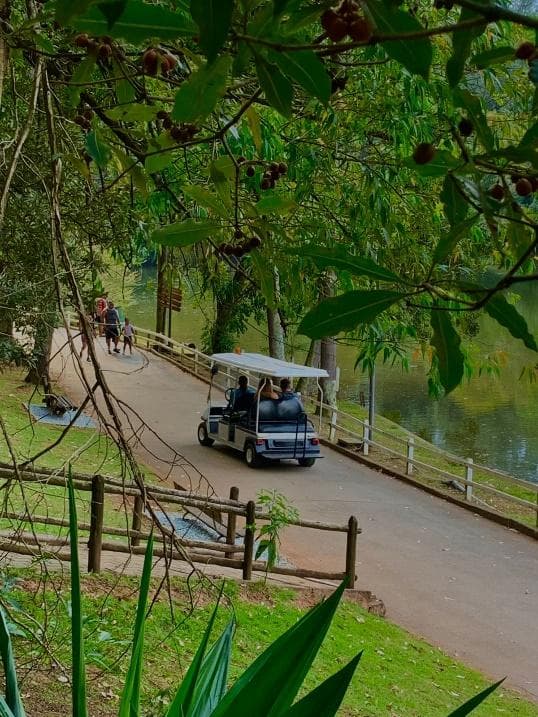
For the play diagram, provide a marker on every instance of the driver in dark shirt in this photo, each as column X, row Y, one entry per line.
column 243, row 396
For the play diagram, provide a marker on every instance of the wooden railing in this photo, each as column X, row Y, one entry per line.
column 226, row 552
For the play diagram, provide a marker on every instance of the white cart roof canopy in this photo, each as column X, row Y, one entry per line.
column 269, row 366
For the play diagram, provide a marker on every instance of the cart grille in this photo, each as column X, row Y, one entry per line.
column 288, row 444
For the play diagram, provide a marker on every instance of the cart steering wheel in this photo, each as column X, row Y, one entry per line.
column 228, row 394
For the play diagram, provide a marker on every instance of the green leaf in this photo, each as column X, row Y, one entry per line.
column 78, row 668
column 253, row 119
column 341, row 259
column 157, row 162
column 498, row 55
column 112, row 11
column 530, row 138
column 213, row 18
column 4, row 709
column 441, row 163
column 461, row 48
column 139, row 21
column 325, row 700
column 68, row 9
column 277, row 88
column 524, row 153
column 446, row 342
column 221, row 179
column 454, row 204
column 184, row 233
column 276, row 204
column 270, row 684
column 346, row 312
column 469, row 706
column 80, row 76
column 279, row 6
column 473, row 107
column 307, row 70
column 97, row 149
column 184, row 696
column 213, row 676
column 416, row 54
column 265, row 277
column 197, row 97
column 13, row 695
column 132, row 113
column 206, row 199
column 447, row 244
column 130, row 696
column 125, row 91
column 508, row 316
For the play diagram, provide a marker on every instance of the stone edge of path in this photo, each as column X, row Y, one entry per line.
column 471, row 507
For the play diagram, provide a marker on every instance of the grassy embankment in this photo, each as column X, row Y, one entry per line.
column 425, row 453
column 87, row 450
column 399, row 675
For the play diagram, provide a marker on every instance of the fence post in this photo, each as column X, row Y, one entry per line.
column 196, row 362
column 249, row 540
column 365, row 437
column 469, row 477
column 231, row 522
column 332, row 427
column 410, row 455
column 95, row 540
column 351, row 551
column 136, row 525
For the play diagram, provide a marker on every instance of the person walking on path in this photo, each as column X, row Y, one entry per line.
column 128, row 336
column 111, row 320
column 100, row 307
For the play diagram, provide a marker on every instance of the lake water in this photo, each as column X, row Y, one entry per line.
column 493, row 420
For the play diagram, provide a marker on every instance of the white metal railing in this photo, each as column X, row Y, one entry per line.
column 199, row 364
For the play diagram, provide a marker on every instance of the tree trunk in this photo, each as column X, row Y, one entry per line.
column 162, row 288
column 39, row 372
column 312, row 359
column 276, row 334
column 328, row 362
column 221, row 337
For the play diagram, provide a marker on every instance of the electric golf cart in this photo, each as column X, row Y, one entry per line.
column 261, row 428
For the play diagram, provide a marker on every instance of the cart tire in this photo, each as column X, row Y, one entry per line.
column 306, row 462
column 252, row 459
column 203, row 438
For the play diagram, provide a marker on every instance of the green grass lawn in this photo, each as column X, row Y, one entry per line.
column 399, row 675
column 87, row 450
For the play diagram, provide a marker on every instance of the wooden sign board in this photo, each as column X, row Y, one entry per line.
column 170, row 298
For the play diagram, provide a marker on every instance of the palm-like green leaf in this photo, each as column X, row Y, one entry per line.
column 211, row 683
column 130, row 698
column 269, row 686
column 470, row 705
column 325, row 700
column 78, row 688
column 13, row 698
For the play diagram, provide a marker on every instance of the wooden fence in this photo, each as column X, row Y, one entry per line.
column 336, row 423
column 225, row 552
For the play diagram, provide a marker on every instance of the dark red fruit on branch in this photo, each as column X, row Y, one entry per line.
column 273, row 167
column 497, row 192
column 255, row 242
column 250, row 171
column 82, row 40
column 150, row 62
column 162, row 114
column 523, row 187
column 525, row 50
column 104, row 52
column 265, row 183
column 167, row 123
column 107, row 39
column 283, row 168
column 80, row 120
column 92, row 45
column 465, row 127
column 88, row 114
column 238, row 233
column 241, row 160
column 275, row 174
column 424, row 153
column 177, row 133
column 165, row 66
column 360, row 30
column 334, row 25
column 171, row 60
column 338, row 83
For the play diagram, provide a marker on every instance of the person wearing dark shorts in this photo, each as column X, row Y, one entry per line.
column 111, row 320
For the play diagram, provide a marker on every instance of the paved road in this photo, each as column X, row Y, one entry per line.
column 465, row 584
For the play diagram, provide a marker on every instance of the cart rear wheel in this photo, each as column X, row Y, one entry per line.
column 252, row 459
column 306, row 462
column 203, row 438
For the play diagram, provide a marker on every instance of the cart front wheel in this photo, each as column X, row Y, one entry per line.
column 252, row 459
column 203, row 438
column 306, row 462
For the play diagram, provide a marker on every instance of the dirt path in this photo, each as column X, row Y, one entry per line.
column 467, row 585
